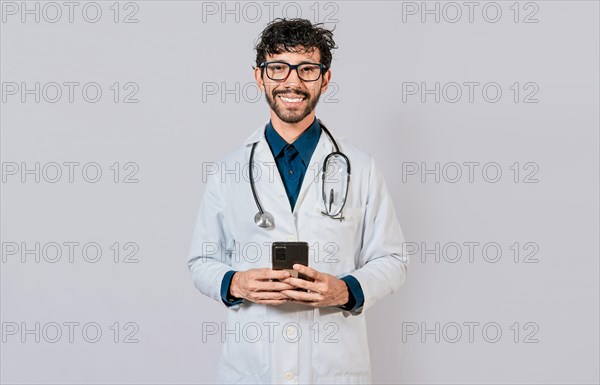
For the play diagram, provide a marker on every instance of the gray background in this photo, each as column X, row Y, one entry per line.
column 176, row 53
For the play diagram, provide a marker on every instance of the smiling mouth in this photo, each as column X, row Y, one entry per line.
column 295, row 99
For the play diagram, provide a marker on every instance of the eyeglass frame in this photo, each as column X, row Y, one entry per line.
column 292, row 67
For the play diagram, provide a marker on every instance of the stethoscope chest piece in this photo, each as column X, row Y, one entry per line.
column 264, row 220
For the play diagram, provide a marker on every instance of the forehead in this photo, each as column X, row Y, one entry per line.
column 297, row 55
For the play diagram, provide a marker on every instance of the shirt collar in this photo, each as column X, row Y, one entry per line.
column 305, row 144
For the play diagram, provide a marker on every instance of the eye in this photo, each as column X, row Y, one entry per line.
column 277, row 67
column 309, row 69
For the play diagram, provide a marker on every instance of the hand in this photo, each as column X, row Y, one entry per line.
column 326, row 290
column 255, row 286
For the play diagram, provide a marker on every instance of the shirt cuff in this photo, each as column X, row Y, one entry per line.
column 356, row 297
column 226, row 296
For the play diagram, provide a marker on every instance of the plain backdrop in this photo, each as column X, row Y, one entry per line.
column 483, row 117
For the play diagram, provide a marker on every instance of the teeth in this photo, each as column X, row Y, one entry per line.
column 292, row 100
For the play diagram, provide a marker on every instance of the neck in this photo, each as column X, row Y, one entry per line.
column 291, row 131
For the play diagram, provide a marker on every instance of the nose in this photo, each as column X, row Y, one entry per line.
column 292, row 77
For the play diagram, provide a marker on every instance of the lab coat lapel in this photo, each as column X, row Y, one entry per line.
column 313, row 171
column 268, row 182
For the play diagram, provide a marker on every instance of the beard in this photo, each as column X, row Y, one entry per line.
column 292, row 116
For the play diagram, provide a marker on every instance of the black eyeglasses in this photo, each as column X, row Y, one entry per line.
column 279, row 70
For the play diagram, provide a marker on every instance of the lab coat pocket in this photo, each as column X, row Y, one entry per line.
column 342, row 348
column 335, row 242
column 245, row 341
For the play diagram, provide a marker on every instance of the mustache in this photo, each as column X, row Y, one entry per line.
column 292, row 92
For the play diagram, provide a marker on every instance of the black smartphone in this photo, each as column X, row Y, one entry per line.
column 285, row 254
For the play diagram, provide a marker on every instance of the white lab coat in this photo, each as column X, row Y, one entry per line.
column 293, row 343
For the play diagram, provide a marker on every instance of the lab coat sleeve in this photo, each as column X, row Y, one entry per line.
column 355, row 293
column 210, row 257
column 382, row 263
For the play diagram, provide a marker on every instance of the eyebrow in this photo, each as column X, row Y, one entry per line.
column 302, row 62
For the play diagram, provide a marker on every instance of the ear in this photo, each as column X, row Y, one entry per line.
column 325, row 82
column 258, row 78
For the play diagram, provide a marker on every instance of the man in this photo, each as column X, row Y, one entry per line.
column 276, row 333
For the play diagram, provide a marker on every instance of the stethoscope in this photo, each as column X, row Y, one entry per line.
column 265, row 219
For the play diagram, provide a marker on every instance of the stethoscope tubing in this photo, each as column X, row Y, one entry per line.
column 337, row 152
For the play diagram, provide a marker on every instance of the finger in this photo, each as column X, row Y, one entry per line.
column 308, row 271
column 302, row 283
column 272, row 274
column 313, row 304
column 273, row 286
column 268, row 295
column 273, row 302
column 301, row 295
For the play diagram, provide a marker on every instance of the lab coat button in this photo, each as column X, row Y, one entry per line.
column 290, row 332
column 289, row 375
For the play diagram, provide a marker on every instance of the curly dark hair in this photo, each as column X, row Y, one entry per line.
column 294, row 35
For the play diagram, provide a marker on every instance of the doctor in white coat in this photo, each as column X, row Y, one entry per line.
column 275, row 333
